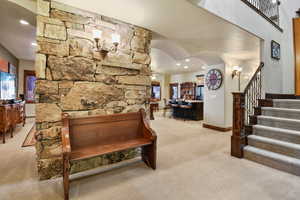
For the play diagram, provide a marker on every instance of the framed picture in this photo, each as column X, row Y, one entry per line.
column 3, row 65
column 275, row 50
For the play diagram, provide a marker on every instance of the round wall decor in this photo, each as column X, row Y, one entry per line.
column 214, row 79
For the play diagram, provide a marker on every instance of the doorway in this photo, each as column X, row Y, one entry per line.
column 297, row 54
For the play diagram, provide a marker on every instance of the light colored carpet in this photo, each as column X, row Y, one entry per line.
column 193, row 163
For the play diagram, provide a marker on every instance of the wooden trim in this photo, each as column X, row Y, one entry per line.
column 27, row 73
column 238, row 138
column 217, row 128
column 296, row 29
column 281, row 96
column 265, row 102
column 262, row 14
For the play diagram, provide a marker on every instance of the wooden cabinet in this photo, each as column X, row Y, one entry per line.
column 188, row 90
column 10, row 116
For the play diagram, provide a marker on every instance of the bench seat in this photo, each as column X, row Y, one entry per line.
column 93, row 151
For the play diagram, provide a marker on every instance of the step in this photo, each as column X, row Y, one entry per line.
column 281, row 112
column 285, row 123
column 276, row 146
column 274, row 160
column 286, row 103
column 277, row 133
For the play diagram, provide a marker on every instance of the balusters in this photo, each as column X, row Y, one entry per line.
column 243, row 107
column 268, row 8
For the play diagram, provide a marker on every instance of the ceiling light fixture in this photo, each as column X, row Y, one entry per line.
column 34, row 44
column 187, row 60
column 23, row 22
column 178, row 64
column 186, row 67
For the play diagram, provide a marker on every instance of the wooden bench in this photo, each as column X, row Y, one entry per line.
column 92, row 136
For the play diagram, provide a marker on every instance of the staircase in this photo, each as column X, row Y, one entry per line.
column 273, row 136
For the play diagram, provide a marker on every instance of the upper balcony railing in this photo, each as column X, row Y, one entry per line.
column 269, row 9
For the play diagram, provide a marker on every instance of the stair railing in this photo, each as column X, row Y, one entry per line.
column 243, row 107
column 268, row 9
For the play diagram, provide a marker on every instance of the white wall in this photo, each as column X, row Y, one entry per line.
column 214, row 102
column 161, row 78
column 278, row 75
column 26, row 65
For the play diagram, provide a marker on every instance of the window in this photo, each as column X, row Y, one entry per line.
column 29, row 86
column 174, row 91
column 155, row 91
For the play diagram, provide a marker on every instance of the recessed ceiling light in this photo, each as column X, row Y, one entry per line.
column 203, row 67
column 186, row 67
column 187, row 60
column 34, row 44
column 178, row 64
column 24, row 22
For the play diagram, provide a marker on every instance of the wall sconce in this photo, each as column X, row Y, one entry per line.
column 237, row 70
column 97, row 34
column 115, row 38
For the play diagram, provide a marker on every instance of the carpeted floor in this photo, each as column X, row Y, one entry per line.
column 193, row 163
column 30, row 138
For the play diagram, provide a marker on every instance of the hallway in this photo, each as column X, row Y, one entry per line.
column 198, row 157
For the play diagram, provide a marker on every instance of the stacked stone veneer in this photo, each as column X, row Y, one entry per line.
column 72, row 77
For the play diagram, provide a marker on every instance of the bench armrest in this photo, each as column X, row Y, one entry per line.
column 66, row 145
column 147, row 131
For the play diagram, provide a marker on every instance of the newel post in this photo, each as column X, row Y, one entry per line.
column 238, row 138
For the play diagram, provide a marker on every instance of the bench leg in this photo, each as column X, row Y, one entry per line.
column 66, row 180
column 149, row 155
column 12, row 132
column 3, row 137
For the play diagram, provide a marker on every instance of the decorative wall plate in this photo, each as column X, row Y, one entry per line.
column 275, row 50
column 214, row 79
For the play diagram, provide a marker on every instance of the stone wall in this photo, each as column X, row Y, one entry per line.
column 75, row 78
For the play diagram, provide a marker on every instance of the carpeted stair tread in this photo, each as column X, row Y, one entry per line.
column 278, row 119
column 287, row 103
column 281, row 109
column 286, row 100
column 277, row 133
column 288, row 113
column 279, row 122
column 274, row 145
column 274, row 160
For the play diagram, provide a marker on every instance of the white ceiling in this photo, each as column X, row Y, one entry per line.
column 181, row 29
column 15, row 37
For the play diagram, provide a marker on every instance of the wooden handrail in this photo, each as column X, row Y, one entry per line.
column 262, row 64
column 243, row 106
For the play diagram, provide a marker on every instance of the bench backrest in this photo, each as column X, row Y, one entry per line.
column 102, row 130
